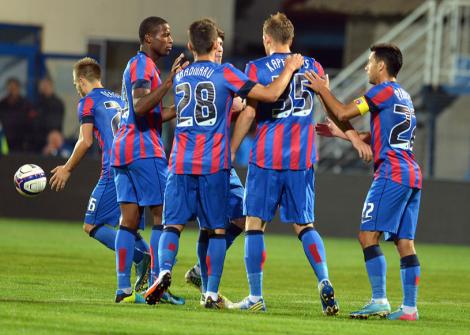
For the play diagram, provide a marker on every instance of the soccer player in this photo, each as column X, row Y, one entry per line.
column 392, row 204
column 138, row 157
column 98, row 112
column 236, row 219
column 198, row 182
column 280, row 173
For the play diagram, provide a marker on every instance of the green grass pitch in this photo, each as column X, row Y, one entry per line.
column 55, row 279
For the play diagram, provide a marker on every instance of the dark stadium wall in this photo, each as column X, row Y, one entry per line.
column 443, row 216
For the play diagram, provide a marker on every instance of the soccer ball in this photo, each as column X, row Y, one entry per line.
column 30, row 180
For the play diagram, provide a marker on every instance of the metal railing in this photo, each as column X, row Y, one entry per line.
column 432, row 39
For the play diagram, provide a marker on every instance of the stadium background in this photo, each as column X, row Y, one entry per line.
column 45, row 38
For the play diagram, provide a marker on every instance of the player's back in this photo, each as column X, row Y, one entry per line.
column 104, row 107
column 203, row 97
column 138, row 137
column 285, row 129
column 393, row 125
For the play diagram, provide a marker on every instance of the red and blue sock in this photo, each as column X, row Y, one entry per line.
column 107, row 236
column 168, row 248
column 125, row 245
column 315, row 252
column 154, row 242
column 215, row 258
column 410, row 271
column 202, row 244
column 376, row 270
column 255, row 256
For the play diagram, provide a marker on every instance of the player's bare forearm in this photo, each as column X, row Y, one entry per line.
column 365, row 136
column 242, row 126
column 146, row 100
column 334, row 107
column 168, row 113
column 80, row 150
column 273, row 91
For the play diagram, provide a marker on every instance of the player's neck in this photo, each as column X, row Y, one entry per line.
column 91, row 86
column 384, row 79
column 150, row 53
column 279, row 48
column 207, row 57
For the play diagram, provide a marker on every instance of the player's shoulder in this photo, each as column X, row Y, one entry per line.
column 259, row 61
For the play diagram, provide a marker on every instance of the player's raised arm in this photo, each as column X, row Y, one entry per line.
column 242, row 126
column 272, row 92
column 61, row 173
column 341, row 111
column 145, row 100
column 168, row 113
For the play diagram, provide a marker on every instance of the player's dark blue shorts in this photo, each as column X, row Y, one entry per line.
column 142, row 181
column 203, row 197
column 235, row 207
column 291, row 190
column 102, row 207
column 391, row 208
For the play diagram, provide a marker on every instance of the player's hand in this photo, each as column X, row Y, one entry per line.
column 294, row 62
column 59, row 178
column 322, row 129
column 316, row 83
column 329, row 129
column 363, row 149
column 238, row 105
column 179, row 64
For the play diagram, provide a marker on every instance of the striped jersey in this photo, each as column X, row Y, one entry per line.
column 393, row 125
column 138, row 137
column 204, row 94
column 284, row 137
column 102, row 108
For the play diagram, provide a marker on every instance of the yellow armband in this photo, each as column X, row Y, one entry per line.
column 362, row 105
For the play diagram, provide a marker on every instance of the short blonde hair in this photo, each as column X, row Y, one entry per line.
column 279, row 28
column 88, row 68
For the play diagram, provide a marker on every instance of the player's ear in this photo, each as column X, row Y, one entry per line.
column 190, row 47
column 148, row 38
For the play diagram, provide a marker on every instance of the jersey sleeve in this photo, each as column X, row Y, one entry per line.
column 237, row 81
column 251, row 70
column 86, row 110
column 142, row 72
column 375, row 99
column 318, row 68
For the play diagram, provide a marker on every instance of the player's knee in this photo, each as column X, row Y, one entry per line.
column 254, row 223
column 405, row 247
column 367, row 238
column 299, row 228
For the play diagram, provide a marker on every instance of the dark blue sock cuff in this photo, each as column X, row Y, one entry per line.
column 94, row 230
column 304, row 231
column 132, row 231
column 172, row 230
column 409, row 261
column 372, row 252
column 233, row 230
column 254, row 232
column 157, row 227
column 203, row 236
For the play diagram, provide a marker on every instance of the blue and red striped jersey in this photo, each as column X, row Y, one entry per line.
column 285, row 138
column 204, row 94
column 102, row 108
column 138, row 137
column 393, row 125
